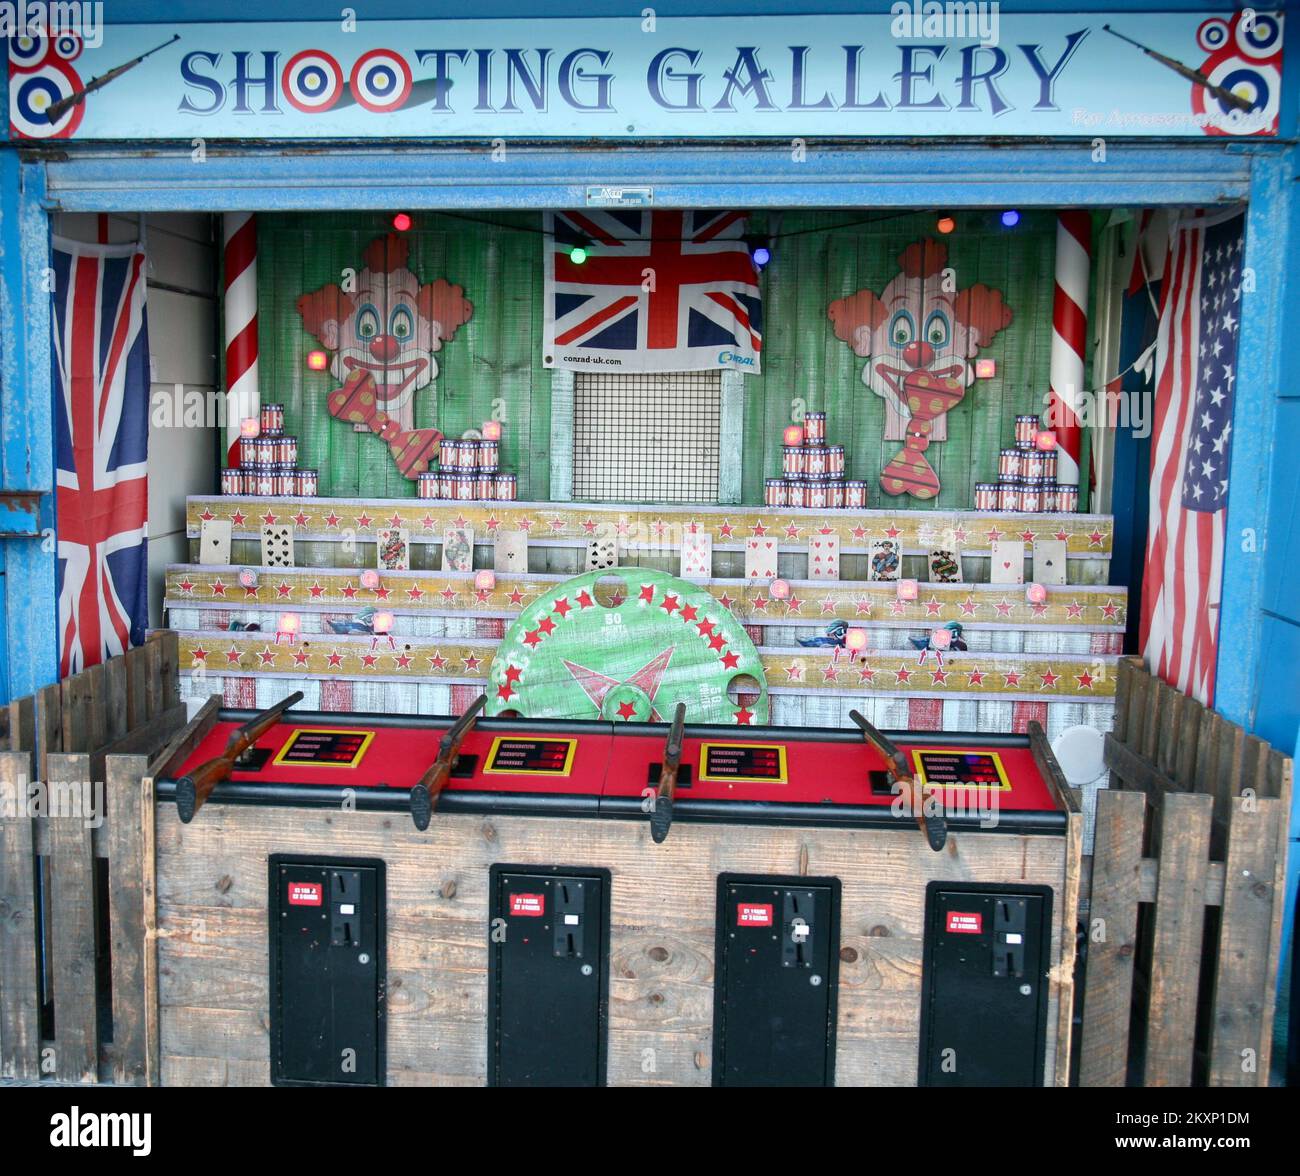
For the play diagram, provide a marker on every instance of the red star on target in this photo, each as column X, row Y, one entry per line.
column 647, row 593
column 730, row 660
column 237, row 519
column 546, row 625
column 562, row 606
column 706, row 627
column 533, row 638
column 597, row 686
column 504, row 692
column 232, row 656
column 669, row 604
column 717, row 641
column 584, row 599
column 335, row 659
column 744, row 717
column 688, row 612
column 626, row 710
column 513, row 673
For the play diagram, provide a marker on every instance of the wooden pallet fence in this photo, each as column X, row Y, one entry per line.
column 1186, row 896
column 75, row 853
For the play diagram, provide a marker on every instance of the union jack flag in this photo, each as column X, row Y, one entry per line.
column 658, row 292
column 101, row 381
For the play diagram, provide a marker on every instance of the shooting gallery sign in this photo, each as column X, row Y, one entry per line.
column 923, row 69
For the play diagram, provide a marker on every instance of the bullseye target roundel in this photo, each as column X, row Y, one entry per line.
column 32, row 94
column 1261, row 84
column 67, row 47
column 1259, row 38
column 312, row 81
column 26, row 53
column 1213, row 35
column 380, row 81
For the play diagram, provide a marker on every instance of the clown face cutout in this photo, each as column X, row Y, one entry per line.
column 918, row 339
column 389, row 327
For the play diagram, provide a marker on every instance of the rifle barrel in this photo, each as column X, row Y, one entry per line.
column 934, row 827
column 424, row 796
column 661, row 815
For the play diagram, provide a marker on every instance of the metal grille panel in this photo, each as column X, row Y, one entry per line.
column 648, row 437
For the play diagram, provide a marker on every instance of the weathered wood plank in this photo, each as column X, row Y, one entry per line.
column 1177, row 934
column 1241, row 1029
column 71, row 924
column 21, row 716
column 126, row 913
column 114, row 699
column 1112, row 938
column 49, row 727
column 154, row 694
column 149, row 916
column 185, row 740
column 168, row 671
column 137, row 702
column 20, row 1025
column 1136, row 771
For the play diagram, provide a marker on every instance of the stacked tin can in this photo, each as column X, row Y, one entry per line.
column 268, row 462
column 812, row 474
column 469, row 470
column 1026, row 477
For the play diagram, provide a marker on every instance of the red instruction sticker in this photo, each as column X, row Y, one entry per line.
column 967, row 923
column 528, row 904
column 306, row 894
column 754, row 914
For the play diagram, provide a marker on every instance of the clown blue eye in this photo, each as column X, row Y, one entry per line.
column 936, row 329
column 367, row 322
column 400, row 324
column 901, row 329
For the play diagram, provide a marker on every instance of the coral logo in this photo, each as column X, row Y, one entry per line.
column 732, row 357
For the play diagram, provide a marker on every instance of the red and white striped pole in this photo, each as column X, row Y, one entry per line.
column 1069, row 339
column 239, row 291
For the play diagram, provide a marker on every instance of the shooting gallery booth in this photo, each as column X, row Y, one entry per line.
column 468, row 427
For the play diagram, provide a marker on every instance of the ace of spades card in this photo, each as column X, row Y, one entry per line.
column 394, row 550
column 945, row 566
column 510, row 552
column 602, row 548
column 1007, row 565
column 214, row 541
column 697, row 556
column 458, row 549
column 760, row 558
column 1049, row 561
column 277, row 546
column 886, row 560
column 824, row 557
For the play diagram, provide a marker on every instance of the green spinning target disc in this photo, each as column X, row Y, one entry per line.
column 627, row 645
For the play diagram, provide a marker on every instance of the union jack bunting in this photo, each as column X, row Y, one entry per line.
column 665, row 291
column 101, row 382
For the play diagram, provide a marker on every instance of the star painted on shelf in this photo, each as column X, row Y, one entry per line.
column 1110, row 610
column 395, row 522
column 302, row 519
column 862, row 607
column 316, row 589
column 332, row 520
column 472, row 663
column 335, row 659
column 1085, row 680
column 448, row 594
column 369, row 660
column 725, row 601
column 960, row 534
column 562, row 606
column 1095, row 538
column 892, row 531
column 623, row 528
column 589, row 526
column 186, row 587
column 299, row 657
column 794, row 671
column 866, row 675
column 283, row 590
column 1027, row 535
column 692, row 528
column 557, row 524
column 207, row 516
column 897, row 607
column 670, row 603
column 584, row 599
column 968, row 606
column 758, row 530
column 350, row 591
column 525, row 524
column 1003, row 607
column 461, row 521
column 1063, row 536
column 726, row 529
column 200, row 654
column 902, row 676
column 744, row 717
column 688, row 612
column 730, row 660
column 492, row 523
column 232, row 656
column 414, row 592
column 250, row 591
column 1074, row 610
column 517, row 598
column 975, row 677
column 993, row 534
column 1049, row 679
column 382, row 593
column 269, row 519
column 830, row 673
column 482, row 595
column 938, row 676
column 859, row 532
column 825, row 529
column 237, row 519
column 793, row 605
column 828, row 604
column 1039, row 608
column 647, row 594
column 760, row 604
column 218, row 587
column 658, row 528
column 428, row 522
column 1012, row 678
column 364, row 520
column 596, row 685
column 266, row 656
column 437, row 661
column 404, row 661
column 932, row 607
column 792, row 532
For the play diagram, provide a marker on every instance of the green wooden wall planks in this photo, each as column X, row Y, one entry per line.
column 493, row 366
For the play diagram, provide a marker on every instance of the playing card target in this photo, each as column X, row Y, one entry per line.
column 32, row 94
column 380, row 81
column 312, row 81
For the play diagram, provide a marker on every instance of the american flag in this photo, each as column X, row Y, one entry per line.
column 659, row 291
column 1196, row 361
column 101, row 378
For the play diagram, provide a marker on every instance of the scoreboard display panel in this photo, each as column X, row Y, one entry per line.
column 320, row 747
column 952, row 767
column 748, row 763
column 531, row 756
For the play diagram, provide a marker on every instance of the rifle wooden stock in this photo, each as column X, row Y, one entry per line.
column 195, row 788
column 935, row 827
column 661, row 814
column 424, row 796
